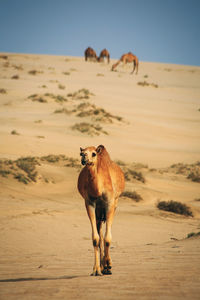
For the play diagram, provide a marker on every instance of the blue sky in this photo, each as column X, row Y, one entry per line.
column 155, row 30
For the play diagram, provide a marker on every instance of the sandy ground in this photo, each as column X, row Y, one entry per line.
column 45, row 235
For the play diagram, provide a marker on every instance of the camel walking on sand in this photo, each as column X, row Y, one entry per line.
column 100, row 183
column 128, row 58
column 104, row 53
column 91, row 54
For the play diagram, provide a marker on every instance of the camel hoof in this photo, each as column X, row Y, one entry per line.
column 107, row 271
column 96, row 274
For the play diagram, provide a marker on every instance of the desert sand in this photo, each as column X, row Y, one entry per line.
column 150, row 124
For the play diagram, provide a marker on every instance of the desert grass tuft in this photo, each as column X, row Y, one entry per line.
column 145, row 83
column 132, row 195
column 3, row 91
column 89, row 128
column 193, row 234
column 132, row 174
column 175, row 207
column 14, row 132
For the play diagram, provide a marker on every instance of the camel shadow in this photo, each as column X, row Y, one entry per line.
column 39, row 278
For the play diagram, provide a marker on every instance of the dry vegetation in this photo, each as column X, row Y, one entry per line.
column 3, row 91
column 145, row 83
column 175, row 207
column 132, row 195
column 25, row 169
column 94, row 115
column 89, row 128
column 191, row 171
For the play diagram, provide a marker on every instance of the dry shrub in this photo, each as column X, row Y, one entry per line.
column 193, row 234
column 89, row 129
column 34, row 72
column 14, row 132
column 3, row 91
column 194, row 176
column 145, row 83
column 191, row 171
column 175, row 207
column 132, row 174
column 132, row 195
column 80, row 94
column 15, row 77
column 47, row 96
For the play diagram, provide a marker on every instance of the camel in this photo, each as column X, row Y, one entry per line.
column 104, row 53
column 100, row 183
column 91, row 54
column 128, row 58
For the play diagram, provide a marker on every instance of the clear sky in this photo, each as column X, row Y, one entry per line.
column 155, row 30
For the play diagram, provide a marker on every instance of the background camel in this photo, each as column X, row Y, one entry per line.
column 128, row 58
column 91, row 54
column 104, row 53
column 100, row 183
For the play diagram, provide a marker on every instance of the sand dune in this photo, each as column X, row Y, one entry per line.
column 150, row 124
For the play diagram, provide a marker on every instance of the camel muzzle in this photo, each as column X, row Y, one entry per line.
column 83, row 161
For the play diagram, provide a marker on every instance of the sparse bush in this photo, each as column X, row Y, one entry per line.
column 4, row 173
column 66, row 73
column 175, row 207
column 132, row 195
column 61, row 86
column 63, row 110
column 14, row 132
column 34, row 72
column 132, row 174
column 100, row 75
column 3, row 91
column 28, row 164
column 22, row 178
column 144, row 83
column 194, row 176
column 193, row 234
column 90, row 129
column 15, row 77
column 51, row 158
column 80, row 94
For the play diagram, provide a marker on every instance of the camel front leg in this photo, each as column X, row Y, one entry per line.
column 95, row 239
column 107, row 241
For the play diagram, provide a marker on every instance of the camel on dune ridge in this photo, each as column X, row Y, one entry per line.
column 128, row 58
column 104, row 53
column 100, row 183
column 91, row 54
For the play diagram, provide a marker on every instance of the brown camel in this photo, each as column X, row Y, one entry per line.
column 104, row 53
column 128, row 58
column 91, row 54
column 100, row 183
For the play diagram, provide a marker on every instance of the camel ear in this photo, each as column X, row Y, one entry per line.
column 81, row 150
column 100, row 148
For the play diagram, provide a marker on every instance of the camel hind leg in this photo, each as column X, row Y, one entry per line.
column 107, row 241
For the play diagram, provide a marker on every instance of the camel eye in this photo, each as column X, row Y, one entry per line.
column 93, row 154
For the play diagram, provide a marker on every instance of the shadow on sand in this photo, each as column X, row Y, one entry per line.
column 38, row 279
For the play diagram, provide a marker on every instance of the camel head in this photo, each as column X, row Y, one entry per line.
column 89, row 155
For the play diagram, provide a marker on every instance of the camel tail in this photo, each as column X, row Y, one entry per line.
column 100, row 212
